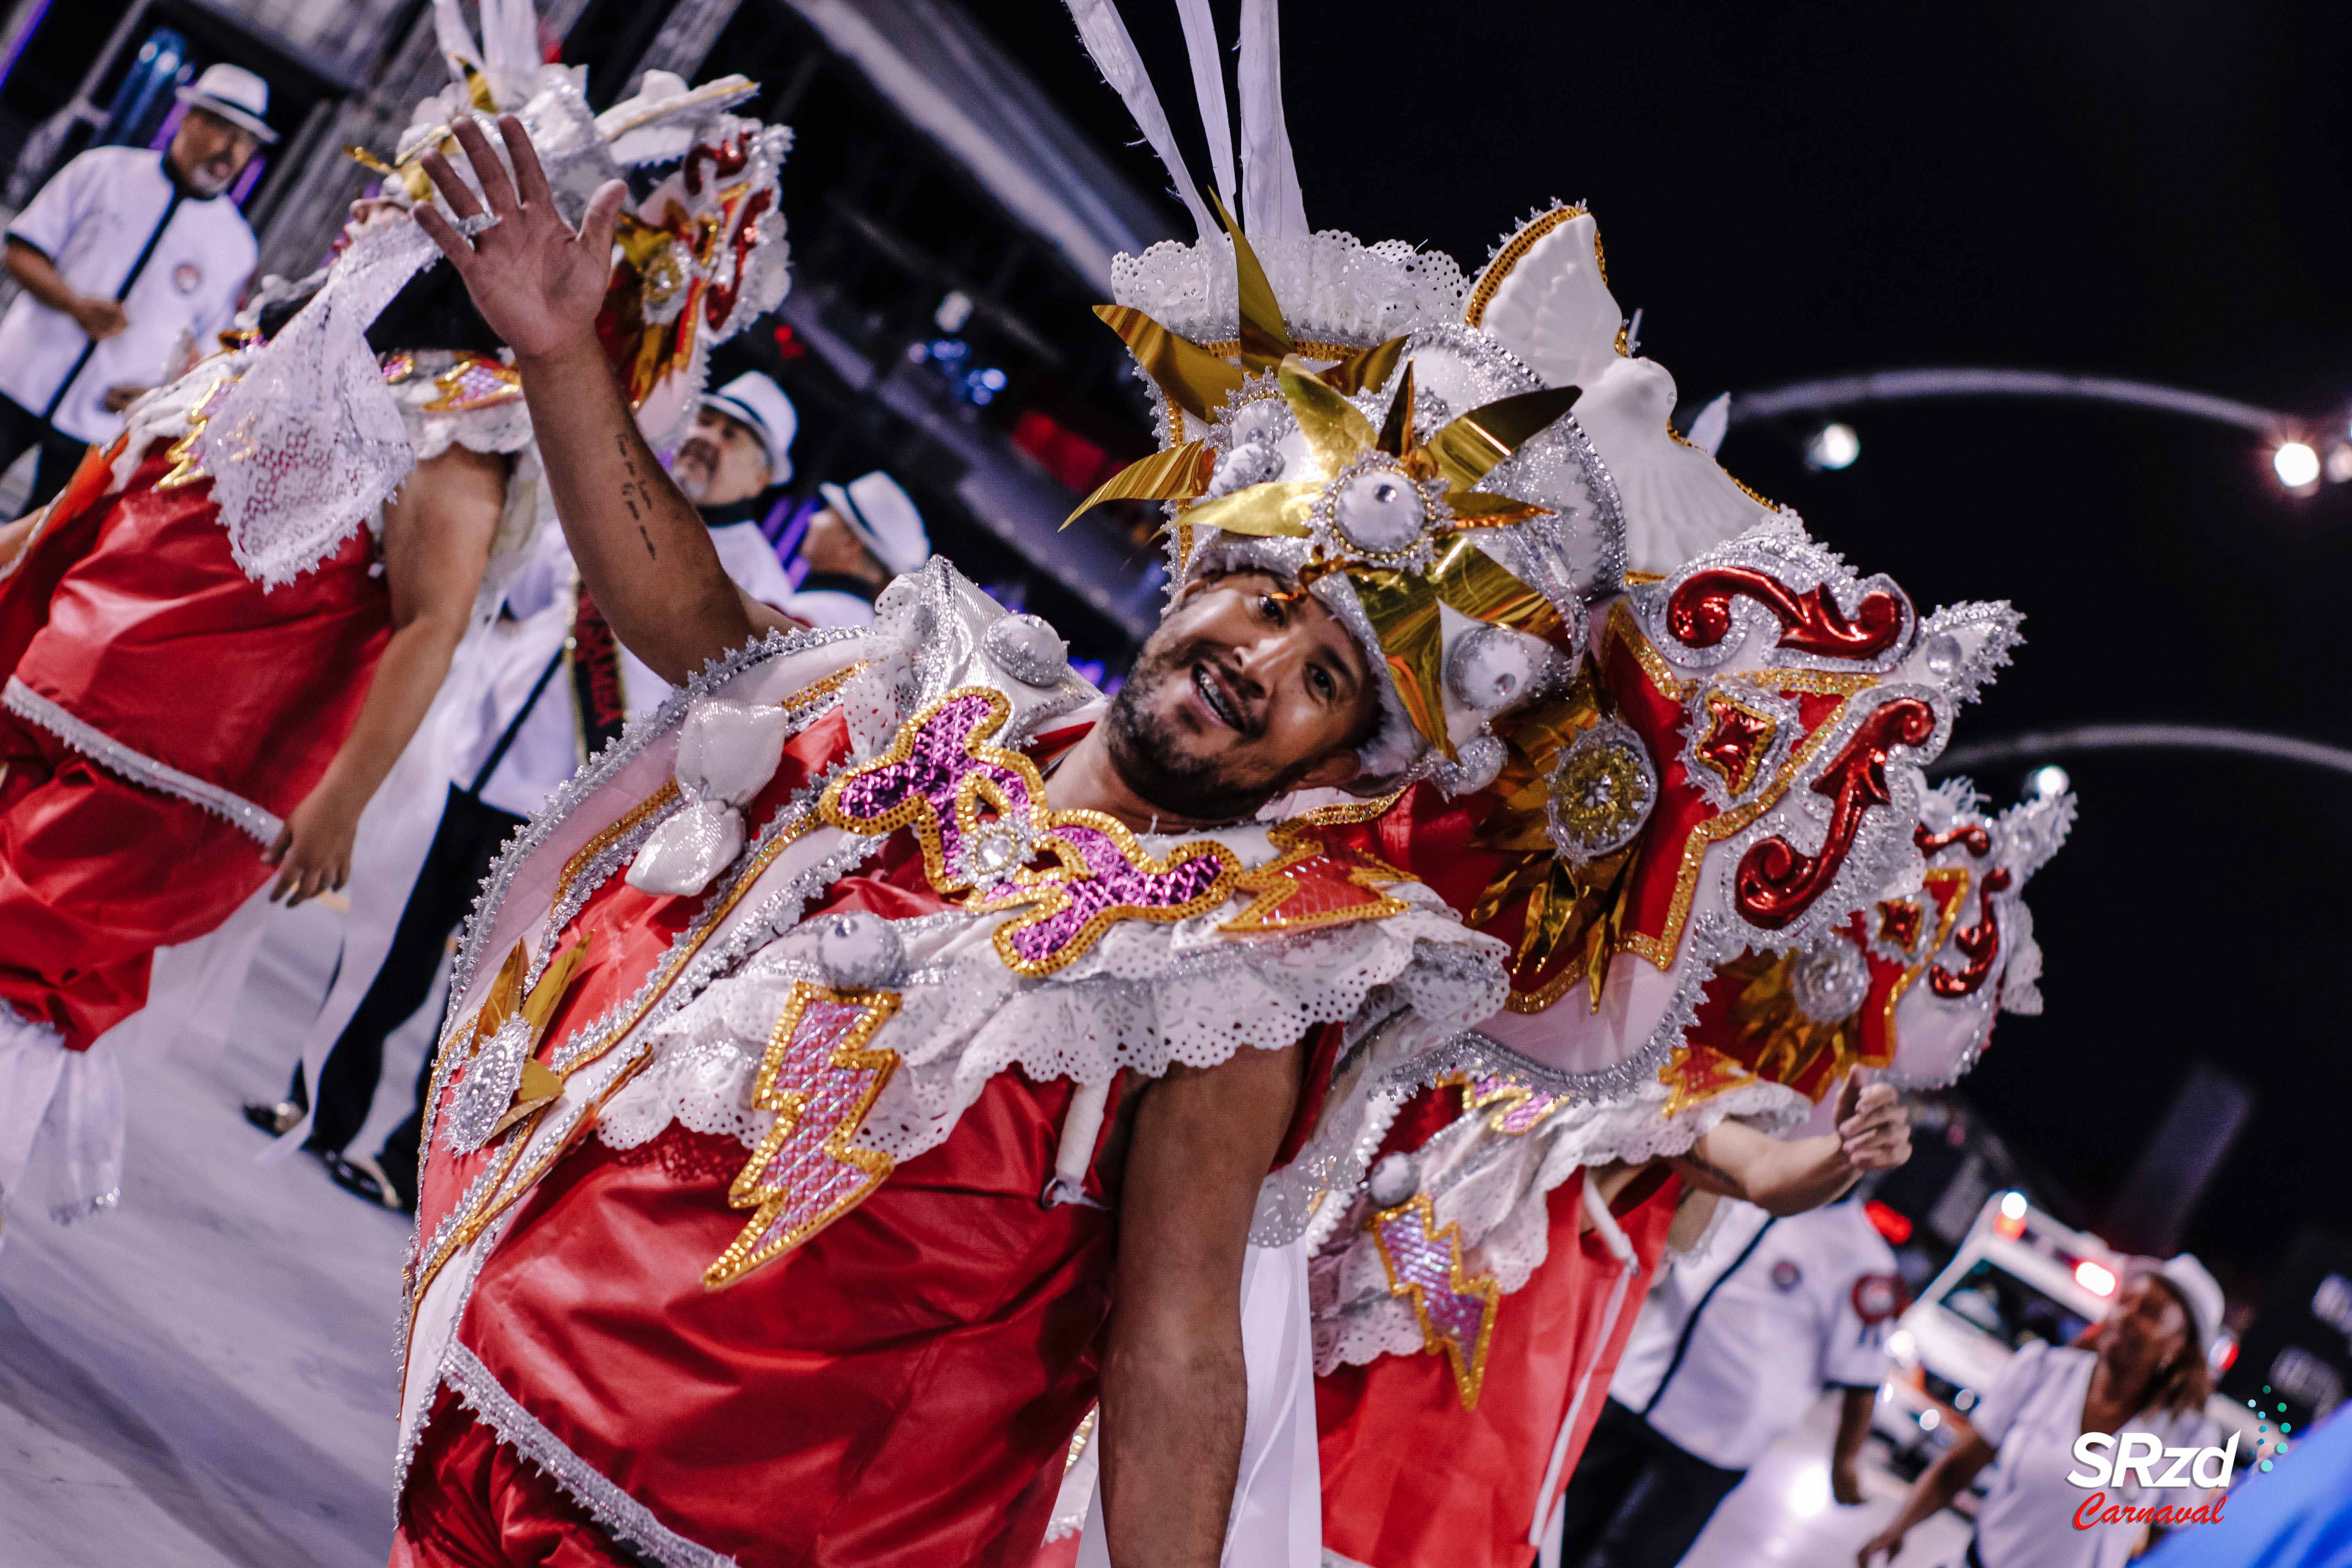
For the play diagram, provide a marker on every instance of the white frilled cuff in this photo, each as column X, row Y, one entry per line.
column 60, row 1122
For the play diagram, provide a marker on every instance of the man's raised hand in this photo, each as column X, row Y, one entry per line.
column 537, row 281
column 1873, row 1127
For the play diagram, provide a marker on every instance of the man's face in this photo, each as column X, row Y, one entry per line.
column 1244, row 693
column 723, row 461
column 830, row 547
column 210, row 152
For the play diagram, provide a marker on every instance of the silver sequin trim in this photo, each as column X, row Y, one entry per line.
column 138, row 768
column 622, row 1516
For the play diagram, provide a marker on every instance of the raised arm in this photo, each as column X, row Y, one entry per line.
column 1175, row 1394
column 1943, row 1480
column 642, row 548
column 436, row 540
column 1790, row 1175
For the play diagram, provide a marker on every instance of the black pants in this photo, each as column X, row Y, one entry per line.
column 20, row 428
column 467, row 841
column 1636, row 1501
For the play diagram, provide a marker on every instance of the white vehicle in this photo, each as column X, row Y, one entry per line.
column 2019, row 1277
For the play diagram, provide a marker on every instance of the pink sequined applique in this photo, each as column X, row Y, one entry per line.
column 820, row 1078
column 1457, row 1313
column 1518, row 1108
column 978, row 811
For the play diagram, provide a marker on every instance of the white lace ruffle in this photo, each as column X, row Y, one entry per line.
column 1333, row 286
column 61, row 1121
column 1147, row 996
column 308, row 443
column 1496, row 1188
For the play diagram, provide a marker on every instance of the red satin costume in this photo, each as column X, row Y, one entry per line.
column 128, row 613
column 895, row 1393
column 1413, row 1479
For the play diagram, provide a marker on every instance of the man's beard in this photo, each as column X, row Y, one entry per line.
column 1178, row 783
column 207, row 182
column 693, row 470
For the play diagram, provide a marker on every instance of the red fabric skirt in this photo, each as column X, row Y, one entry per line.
column 95, row 875
column 131, row 615
column 1411, row 1480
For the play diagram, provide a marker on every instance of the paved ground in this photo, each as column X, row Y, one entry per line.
column 205, row 1376
column 1783, row 1511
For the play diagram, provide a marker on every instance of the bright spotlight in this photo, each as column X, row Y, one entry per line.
column 1832, row 446
column 2096, row 1278
column 2339, row 463
column 2045, row 782
column 2296, row 463
column 1809, row 1491
column 2014, row 1205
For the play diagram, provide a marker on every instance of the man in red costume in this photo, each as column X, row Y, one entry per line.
column 772, row 1189
column 200, row 688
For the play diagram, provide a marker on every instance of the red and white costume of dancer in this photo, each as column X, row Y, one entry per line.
column 1681, row 816
column 181, row 665
column 731, row 1220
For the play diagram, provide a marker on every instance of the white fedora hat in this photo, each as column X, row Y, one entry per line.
column 235, row 95
column 883, row 518
column 756, row 402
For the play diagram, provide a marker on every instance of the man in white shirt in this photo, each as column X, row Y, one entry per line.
column 131, row 263
column 1737, row 1339
column 550, row 688
column 868, row 533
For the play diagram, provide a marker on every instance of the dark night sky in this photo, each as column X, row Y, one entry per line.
column 2152, row 190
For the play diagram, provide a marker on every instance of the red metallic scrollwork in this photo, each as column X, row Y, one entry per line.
column 720, row 299
column 1699, row 614
column 727, row 158
column 1735, row 740
column 1981, row 943
column 1979, row 842
column 1776, row 882
column 1899, row 923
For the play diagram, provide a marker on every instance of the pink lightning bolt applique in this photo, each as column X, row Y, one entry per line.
column 820, row 1078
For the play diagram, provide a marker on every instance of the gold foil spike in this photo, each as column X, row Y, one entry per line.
column 1180, row 473
column 1265, row 337
column 540, row 1005
column 1396, row 430
column 1465, row 449
column 1477, row 509
column 1470, row 580
column 1266, row 512
column 1366, row 367
column 478, row 87
column 1403, row 610
column 1195, row 380
column 1336, row 429
column 368, row 161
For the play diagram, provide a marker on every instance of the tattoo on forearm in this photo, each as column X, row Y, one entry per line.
column 633, row 491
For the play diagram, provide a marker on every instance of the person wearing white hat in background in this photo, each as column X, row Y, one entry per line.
column 2143, row 1370
column 869, row 532
column 131, row 263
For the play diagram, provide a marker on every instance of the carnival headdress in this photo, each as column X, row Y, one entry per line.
column 1397, row 438
column 699, row 253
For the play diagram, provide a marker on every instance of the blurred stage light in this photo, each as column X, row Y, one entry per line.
column 2339, row 463
column 1809, row 1491
column 1832, row 446
column 2014, row 1205
column 2046, row 781
column 2297, row 464
column 2096, row 1278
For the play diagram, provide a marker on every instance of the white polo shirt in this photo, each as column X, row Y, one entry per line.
column 545, row 750
column 113, row 224
column 1738, row 1337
